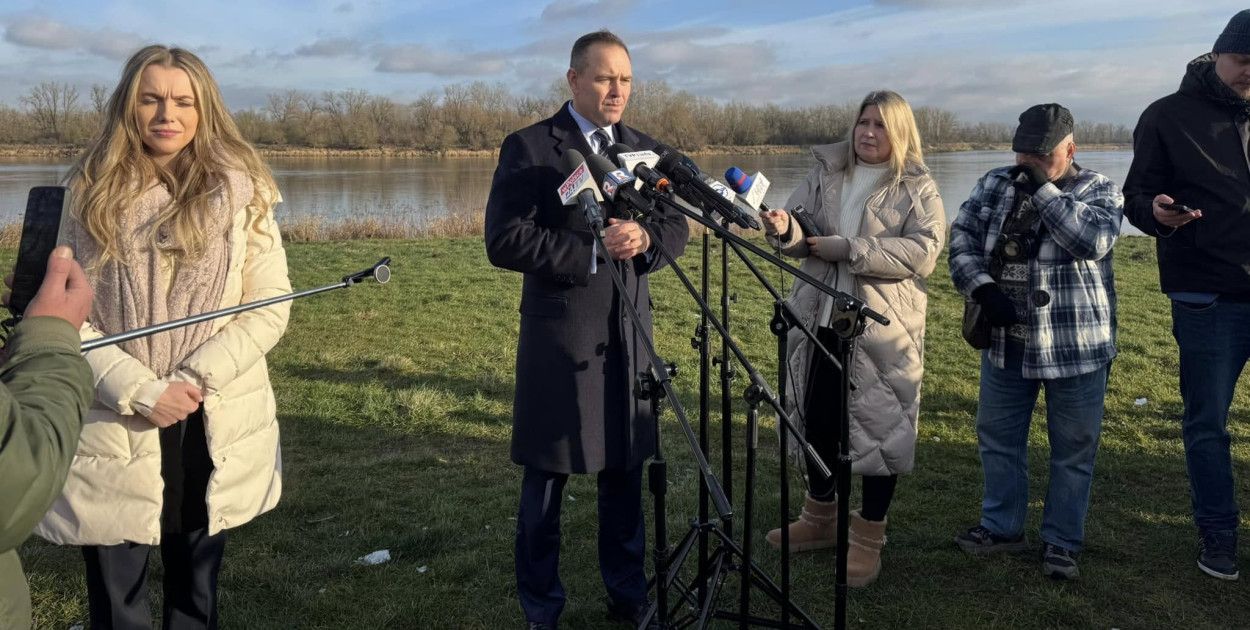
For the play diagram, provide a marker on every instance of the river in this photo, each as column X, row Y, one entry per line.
column 335, row 188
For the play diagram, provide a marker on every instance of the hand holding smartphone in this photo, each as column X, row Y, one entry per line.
column 1175, row 207
column 42, row 228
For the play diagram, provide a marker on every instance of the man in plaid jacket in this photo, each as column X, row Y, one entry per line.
column 1032, row 245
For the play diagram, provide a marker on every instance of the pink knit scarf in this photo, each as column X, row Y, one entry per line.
column 134, row 295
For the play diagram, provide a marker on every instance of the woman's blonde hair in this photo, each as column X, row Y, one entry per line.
column 115, row 169
column 900, row 127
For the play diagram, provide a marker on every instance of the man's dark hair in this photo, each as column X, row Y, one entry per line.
column 577, row 60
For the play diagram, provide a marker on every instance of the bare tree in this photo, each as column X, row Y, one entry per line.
column 52, row 104
column 345, row 109
column 99, row 97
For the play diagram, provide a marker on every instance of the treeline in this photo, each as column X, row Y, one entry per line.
column 478, row 115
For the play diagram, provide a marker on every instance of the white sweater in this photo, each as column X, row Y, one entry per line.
column 855, row 192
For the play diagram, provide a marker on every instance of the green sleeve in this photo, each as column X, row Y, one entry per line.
column 45, row 388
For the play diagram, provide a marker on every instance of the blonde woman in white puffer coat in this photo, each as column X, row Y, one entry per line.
column 173, row 217
column 883, row 227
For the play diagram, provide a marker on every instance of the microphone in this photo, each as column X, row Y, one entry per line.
column 579, row 189
column 641, row 164
column 751, row 188
column 683, row 171
column 617, row 185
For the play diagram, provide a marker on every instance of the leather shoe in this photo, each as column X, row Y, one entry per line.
column 633, row 614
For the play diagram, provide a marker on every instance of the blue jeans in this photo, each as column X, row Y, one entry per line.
column 1074, row 408
column 1214, row 344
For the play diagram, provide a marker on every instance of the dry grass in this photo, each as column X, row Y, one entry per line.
column 309, row 229
column 11, row 234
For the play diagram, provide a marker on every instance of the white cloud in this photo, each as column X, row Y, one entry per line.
column 416, row 58
column 591, row 10
column 330, row 47
column 42, row 32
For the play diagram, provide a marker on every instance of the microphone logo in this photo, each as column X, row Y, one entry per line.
column 614, row 180
column 721, row 189
column 576, row 180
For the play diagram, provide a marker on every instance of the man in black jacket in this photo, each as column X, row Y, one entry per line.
column 577, row 353
column 1190, row 148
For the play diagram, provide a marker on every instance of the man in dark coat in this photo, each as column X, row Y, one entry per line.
column 1190, row 148
column 577, row 353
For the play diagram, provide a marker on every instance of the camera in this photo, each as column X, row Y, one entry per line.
column 1019, row 248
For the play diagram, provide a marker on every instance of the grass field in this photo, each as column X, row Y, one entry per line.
column 395, row 406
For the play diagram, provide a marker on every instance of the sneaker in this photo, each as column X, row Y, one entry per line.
column 1217, row 554
column 1058, row 563
column 980, row 540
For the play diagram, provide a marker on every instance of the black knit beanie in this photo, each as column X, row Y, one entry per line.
column 1236, row 36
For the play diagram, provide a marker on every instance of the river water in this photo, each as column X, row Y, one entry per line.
column 417, row 189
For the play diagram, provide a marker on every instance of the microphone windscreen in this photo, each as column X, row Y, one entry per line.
column 617, row 149
column 738, row 181
column 669, row 159
column 570, row 161
column 599, row 168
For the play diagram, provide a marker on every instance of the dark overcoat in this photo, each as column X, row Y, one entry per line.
column 574, row 411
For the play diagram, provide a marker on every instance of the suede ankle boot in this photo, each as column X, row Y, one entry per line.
column 817, row 527
column 863, row 557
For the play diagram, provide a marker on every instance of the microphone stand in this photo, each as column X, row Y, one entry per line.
column 701, row 342
column 849, row 327
column 654, row 384
column 784, row 319
column 380, row 271
column 757, row 392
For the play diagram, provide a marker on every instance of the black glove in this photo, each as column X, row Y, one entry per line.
column 1034, row 178
column 999, row 309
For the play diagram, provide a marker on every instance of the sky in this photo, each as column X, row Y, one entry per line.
column 986, row 60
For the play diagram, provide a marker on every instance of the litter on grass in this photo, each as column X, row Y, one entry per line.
column 377, row 557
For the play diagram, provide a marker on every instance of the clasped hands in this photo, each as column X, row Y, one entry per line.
column 625, row 239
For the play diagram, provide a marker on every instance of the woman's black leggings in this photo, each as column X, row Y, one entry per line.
column 824, row 396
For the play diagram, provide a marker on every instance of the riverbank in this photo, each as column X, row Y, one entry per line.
column 69, row 151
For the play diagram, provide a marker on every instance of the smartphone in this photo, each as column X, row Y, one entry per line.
column 42, row 227
column 805, row 221
column 1175, row 207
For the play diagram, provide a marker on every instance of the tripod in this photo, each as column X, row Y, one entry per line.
column 653, row 384
column 757, row 392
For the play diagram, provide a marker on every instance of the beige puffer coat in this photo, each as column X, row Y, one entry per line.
column 902, row 233
column 114, row 491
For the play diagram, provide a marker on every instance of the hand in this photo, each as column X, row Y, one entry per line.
column 775, row 221
column 1035, row 177
column 830, row 248
column 64, row 292
column 179, row 400
column 625, row 239
column 1172, row 218
column 999, row 309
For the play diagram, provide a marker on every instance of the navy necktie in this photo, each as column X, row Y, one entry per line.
column 604, row 141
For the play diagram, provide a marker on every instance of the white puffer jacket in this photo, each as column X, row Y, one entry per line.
column 897, row 247
column 114, row 490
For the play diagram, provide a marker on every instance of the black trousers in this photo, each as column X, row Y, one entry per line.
column 117, row 575
column 820, row 421
column 622, row 541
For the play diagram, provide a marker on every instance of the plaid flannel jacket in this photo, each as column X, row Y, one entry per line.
column 1071, row 322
